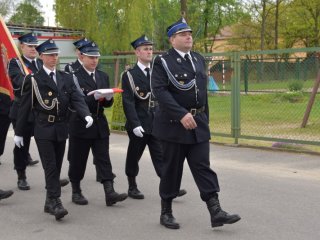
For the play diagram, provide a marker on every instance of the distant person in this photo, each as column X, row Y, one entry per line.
column 21, row 157
column 139, row 108
column 179, row 83
column 96, row 139
column 49, row 94
column 74, row 66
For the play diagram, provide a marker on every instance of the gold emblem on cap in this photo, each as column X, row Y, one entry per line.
column 49, row 93
column 46, row 101
column 181, row 82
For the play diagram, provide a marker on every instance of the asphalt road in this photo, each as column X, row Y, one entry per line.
column 277, row 195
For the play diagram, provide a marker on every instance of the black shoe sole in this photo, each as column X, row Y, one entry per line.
column 169, row 225
column 61, row 215
column 136, row 196
column 33, row 163
column 24, row 188
column 231, row 221
column 8, row 194
column 80, row 202
column 114, row 201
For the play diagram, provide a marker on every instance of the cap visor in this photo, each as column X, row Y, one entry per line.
column 183, row 30
column 53, row 51
column 31, row 43
column 92, row 54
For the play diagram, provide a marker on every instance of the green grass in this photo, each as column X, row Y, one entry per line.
column 273, row 115
column 268, row 85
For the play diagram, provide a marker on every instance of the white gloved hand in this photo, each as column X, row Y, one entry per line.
column 109, row 96
column 138, row 131
column 89, row 120
column 97, row 95
column 18, row 140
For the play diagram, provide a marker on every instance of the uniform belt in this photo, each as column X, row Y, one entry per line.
column 195, row 111
column 51, row 118
column 153, row 104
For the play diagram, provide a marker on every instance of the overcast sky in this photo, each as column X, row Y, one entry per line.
column 48, row 13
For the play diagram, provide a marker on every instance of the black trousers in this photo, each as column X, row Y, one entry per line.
column 197, row 156
column 51, row 155
column 79, row 149
column 4, row 126
column 135, row 150
column 20, row 155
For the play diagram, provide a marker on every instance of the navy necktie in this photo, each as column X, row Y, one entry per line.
column 33, row 63
column 148, row 72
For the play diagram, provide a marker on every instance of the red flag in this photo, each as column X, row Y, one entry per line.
column 8, row 50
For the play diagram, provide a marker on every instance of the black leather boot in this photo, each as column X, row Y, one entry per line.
column 166, row 217
column 77, row 196
column 22, row 180
column 218, row 216
column 133, row 191
column 54, row 207
column 64, row 182
column 5, row 194
column 181, row 193
column 112, row 197
column 31, row 162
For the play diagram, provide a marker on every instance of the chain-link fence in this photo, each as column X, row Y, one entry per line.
column 261, row 95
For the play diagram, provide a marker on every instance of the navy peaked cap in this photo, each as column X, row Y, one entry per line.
column 90, row 49
column 81, row 42
column 178, row 27
column 143, row 40
column 48, row 47
column 29, row 39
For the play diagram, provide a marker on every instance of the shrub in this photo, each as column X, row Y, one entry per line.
column 295, row 86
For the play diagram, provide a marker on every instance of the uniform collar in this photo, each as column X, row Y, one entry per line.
column 29, row 59
column 48, row 71
column 94, row 72
column 142, row 67
column 182, row 54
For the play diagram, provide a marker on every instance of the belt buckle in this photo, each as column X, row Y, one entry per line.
column 151, row 104
column 193, row 111
column 51, row 118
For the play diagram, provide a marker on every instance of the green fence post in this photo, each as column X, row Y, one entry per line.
column 235, row 97
column 246, row 74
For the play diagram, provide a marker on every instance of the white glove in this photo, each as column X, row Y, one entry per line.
column 109, row 96
column 18, row 141
column 138, row 131
column 89, row 120
column 97, row 95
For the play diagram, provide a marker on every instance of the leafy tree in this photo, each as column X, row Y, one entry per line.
column 6, row 7
column 27, row 14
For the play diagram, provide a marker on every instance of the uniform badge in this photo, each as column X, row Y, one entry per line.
column 50, row 93
column 141, row 94
column 46, row 101
column 179, row 60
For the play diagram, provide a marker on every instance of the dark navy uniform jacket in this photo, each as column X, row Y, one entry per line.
column 72, row 67
column 17, row 76
column 67, row 94
column 100, row 127
column 136, row 110
column 174, row 104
